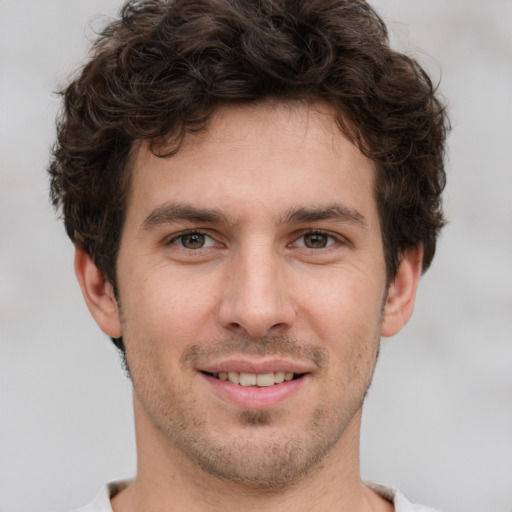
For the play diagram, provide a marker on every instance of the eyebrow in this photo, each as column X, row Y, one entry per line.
column 173, row 212
column 335, row 212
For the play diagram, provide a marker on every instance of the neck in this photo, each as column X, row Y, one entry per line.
column 168, row 481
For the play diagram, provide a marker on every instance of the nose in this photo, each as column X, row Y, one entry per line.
column 256, row 299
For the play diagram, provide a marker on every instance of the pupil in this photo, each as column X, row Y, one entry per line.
column 315, row 241
column 193, row 241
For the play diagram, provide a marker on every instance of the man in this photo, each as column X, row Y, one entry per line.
column 253, row 190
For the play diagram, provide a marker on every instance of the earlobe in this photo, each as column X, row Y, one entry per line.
column 98, row 294
column 402, row 293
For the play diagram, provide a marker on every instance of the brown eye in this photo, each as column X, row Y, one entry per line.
column 316, row 240
column 192, row 241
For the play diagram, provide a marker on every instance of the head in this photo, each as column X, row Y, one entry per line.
column 156, row 100
column 150, row 78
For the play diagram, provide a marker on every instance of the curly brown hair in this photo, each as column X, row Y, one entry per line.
column 164, row 67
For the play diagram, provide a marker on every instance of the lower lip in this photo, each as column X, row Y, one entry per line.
column 254, row 397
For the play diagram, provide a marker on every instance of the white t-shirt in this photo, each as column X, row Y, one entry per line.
column 102, row 502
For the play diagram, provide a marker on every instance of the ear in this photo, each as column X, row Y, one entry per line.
column 98, row 294
column 402, row 293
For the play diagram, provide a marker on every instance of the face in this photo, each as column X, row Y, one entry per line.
column 252, row 283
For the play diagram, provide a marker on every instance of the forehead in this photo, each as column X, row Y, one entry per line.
column 267, row 157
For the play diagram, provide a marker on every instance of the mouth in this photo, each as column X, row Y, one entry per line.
column 248, row 386
column 260, row 380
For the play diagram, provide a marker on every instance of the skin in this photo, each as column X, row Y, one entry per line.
column 285, row 267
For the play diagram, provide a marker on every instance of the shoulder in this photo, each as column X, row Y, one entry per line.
column 401, row 503
column 102, row 501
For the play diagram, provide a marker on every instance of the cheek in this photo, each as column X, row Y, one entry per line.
column 342, row 307
column 346, row 318
column 348, row 324
column 163, row 313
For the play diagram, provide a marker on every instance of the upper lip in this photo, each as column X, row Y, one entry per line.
column 258, row 367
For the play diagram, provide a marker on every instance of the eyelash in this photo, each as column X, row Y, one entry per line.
column 187, row 232
column 332, row 238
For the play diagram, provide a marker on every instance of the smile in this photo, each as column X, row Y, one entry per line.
column 256, row 379
column 261, row 390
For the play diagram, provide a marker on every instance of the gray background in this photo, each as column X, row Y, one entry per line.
column 438, row 420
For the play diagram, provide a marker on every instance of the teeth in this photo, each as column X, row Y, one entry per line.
column 265, row 379
column 247, row 379
column 234, row 377
column 279, row 377
column 253, row 379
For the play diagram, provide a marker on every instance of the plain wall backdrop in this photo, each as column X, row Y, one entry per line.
column 438, row 419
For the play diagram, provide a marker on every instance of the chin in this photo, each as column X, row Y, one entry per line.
column 256, row 453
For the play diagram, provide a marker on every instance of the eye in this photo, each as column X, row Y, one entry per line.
column 315, row 240
column 193, row 240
